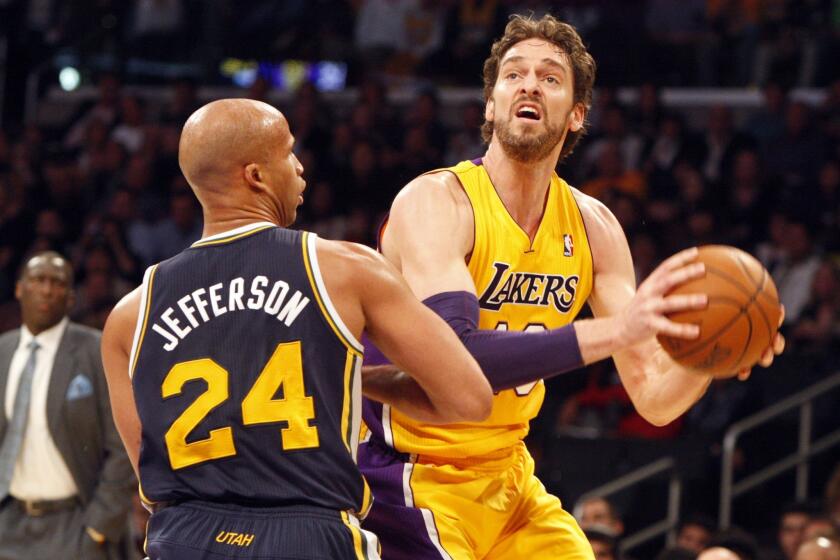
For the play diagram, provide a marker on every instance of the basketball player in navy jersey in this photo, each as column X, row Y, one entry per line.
column 235, row 369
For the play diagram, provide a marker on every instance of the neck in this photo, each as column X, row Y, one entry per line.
column 522, row 186
column 221, row 220
column 224, row 211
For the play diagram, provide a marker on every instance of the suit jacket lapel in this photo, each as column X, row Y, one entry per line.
column 7, row 350
column 62, row 372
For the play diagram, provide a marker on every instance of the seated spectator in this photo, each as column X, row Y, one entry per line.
column 603, row 544
column 816, row 331
column 821, row 526
column 820, row 548
column 695, row 533
column 718, row 553
column 794, row 273
column 677, row 553
column 598, row 513
column 792, row 522
column 737, row 541
column 611, row 174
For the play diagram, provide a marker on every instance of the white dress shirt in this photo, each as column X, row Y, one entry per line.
column 40, row 471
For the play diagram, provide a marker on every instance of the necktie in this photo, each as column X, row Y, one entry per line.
column 17, row 426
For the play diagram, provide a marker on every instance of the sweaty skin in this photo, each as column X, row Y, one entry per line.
column 237, row 156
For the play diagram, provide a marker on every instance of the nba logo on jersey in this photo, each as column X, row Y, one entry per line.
column 568, row 245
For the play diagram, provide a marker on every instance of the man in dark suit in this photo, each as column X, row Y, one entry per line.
column 65, row 480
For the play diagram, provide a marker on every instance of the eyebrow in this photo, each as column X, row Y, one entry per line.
column 548, row 61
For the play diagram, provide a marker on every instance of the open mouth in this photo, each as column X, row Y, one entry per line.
column 529, row 112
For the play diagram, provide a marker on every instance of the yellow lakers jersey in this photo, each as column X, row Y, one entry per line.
column 521, row 285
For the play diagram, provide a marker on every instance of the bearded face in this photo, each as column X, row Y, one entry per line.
column 532, row 105
column 529, row 142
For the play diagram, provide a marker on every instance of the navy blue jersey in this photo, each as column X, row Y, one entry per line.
column 246, row 381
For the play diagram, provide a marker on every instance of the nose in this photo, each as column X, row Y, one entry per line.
column 531, row 84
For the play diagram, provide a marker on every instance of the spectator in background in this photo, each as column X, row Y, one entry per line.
column 817, row 331
column 820, row 548
column 695, row 533
column 820, row 525
column 615, row 135
column 604, row 545
column 795, row 156
column 64, row 476
column 598, row 513
column 676, row 553
column 465, row 141
column 828, row 204
column 767, row 124
column 179, row 230
column 130, row 133
column 611, row 174
column 665, row 148
column 719, row 145
column 106, row 109
column 155, row 28
column 747, row 202
column 794, row 273
column 738, row 541
column 792, row 522
column 718, row 553
column 379, row 31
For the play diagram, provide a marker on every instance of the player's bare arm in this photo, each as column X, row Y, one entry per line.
column 370, row 294
column 117, row 337
column 661, row 390
column 429, row 236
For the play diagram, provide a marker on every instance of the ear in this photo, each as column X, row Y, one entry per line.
column 253, row 176
column 18, row 290
column 576, row 118
column 489, row 108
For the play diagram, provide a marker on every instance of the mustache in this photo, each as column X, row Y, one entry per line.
column 529, row 99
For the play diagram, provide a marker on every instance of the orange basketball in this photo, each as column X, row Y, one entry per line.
column 740, row 321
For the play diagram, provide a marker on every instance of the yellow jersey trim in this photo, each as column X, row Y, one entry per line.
column 320, row 297
column 359, row 544
column 147, row 295
column 228, row 239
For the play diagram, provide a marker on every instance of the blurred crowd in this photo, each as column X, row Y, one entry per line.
column 686, row 43
column 803, row 530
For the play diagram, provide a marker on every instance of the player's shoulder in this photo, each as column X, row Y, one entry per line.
column 436, row 188
column 124, row 314
column 597, row 217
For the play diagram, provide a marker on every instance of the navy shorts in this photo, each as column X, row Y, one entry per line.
column 196, row 530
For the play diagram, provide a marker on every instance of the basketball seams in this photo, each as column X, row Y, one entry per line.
column 711, row 339
column 735, row 284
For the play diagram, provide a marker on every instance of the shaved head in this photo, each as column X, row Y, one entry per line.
column 717, row 553
column 223, row 137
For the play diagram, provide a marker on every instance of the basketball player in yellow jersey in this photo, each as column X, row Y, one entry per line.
column 507, row 252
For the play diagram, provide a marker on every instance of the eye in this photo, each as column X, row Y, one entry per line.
column 552, row 80
column 511, row 75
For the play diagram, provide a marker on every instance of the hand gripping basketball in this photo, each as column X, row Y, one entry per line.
column 647, row 314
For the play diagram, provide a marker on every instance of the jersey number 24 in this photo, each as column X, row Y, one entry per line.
column 285, row 367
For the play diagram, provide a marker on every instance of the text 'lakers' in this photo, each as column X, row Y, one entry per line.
column 528, row 288
column 206, row 304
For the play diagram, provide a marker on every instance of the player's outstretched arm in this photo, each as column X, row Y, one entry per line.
column 117, row 337
column 445, row 383
column 661, row 389
column 430, row 234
